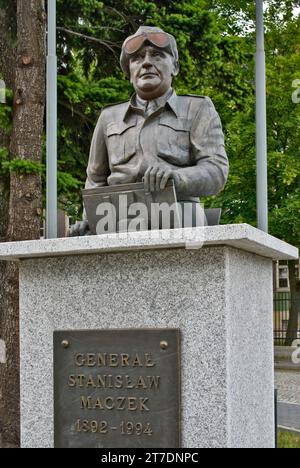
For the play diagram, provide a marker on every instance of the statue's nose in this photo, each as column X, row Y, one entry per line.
column 147, row 62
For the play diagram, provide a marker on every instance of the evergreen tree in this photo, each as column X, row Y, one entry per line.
column 22, row 59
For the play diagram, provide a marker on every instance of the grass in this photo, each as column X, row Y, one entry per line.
column 288, row 440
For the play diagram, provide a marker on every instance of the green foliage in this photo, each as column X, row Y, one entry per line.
column 216, row 42
column 3, row 155
column 288, row 440
column 22, row 166
column 6, row 112
column 90, row 75
column 239, row 198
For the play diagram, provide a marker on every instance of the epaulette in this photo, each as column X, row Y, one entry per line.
column 114, row 104
column 193, row 95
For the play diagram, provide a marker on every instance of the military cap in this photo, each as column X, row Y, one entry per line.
column 152, row 35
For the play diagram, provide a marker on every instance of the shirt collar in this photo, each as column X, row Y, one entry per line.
column 169, row 99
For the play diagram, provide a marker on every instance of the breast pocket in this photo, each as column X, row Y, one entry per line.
column 121, row 142
column 174, row 141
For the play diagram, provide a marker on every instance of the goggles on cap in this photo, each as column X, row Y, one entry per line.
column 158, row 39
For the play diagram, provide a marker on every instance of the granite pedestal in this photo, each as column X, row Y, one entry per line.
column 219, row 296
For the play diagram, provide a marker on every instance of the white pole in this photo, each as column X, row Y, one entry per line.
column 51, row 204
column 261, row 123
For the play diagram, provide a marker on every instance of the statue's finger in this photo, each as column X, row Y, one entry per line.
column 147, row 179
column 159, row 177
column 153, row 178
column 167, row 175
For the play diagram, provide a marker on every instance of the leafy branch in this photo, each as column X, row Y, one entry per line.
column 109, row 45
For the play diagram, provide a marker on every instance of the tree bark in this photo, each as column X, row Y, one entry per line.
column 24, row 213
column 7, row 69
column 293, row 325
column 28, row 114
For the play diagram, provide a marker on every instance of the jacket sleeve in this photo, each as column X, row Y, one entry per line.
column 98, row 166
column 210, row 172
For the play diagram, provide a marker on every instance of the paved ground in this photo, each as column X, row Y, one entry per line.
column 288, row 386
column 289, row 415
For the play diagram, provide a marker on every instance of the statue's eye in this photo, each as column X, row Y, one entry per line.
column 136, row 58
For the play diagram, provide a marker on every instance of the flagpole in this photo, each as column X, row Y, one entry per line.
column 51, row 202
column 261, row 122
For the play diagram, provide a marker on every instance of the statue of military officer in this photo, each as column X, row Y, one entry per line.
column 157, row 135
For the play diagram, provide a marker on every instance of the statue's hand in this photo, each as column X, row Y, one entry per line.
column 81, row 228
column 156, row 177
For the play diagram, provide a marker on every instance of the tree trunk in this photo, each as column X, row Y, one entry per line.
column 24, row 213
column 7, row 66
column 293, row 325
column 26, row 141
column 9, row 431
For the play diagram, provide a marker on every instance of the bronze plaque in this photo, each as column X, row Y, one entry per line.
column 117, row 389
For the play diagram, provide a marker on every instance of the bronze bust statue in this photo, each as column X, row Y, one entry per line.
column 157, row 135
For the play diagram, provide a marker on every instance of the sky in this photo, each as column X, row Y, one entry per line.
column 297, row 11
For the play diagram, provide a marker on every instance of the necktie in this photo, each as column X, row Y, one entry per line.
column 150, row 108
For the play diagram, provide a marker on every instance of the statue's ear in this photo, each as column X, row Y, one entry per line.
column 175, row 70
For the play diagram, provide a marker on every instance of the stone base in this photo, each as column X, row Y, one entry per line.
column 220, row 297
column 221, row 300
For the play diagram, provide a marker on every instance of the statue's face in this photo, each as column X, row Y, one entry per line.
column 151, row 71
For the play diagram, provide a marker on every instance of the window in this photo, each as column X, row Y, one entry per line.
column 282, row 278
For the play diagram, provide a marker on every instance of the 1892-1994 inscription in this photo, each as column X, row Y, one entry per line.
column 117, row 388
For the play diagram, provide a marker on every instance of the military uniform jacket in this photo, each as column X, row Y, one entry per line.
column 183, row 133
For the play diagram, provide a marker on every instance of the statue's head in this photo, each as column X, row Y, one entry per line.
column 150, row 59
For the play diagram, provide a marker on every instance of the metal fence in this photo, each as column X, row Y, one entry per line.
column 282, row 306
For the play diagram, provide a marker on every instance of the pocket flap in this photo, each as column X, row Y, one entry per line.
column 117, row 128
column 178, row 124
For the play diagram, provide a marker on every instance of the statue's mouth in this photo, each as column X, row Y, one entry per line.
column 148, row 75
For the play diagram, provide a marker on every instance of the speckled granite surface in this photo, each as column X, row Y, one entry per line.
column 241, row 236
column 219, row 297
